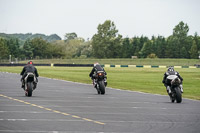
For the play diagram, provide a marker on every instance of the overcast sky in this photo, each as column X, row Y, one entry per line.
column 131, row 17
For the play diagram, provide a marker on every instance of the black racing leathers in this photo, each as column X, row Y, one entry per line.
column 29, row 68
column 171, row 73
column 95, row 70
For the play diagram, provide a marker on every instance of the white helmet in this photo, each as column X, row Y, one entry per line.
column 95, row 64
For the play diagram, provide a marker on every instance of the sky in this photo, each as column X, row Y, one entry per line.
column 131, row 17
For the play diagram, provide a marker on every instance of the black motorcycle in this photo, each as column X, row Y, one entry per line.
column 30, row 84
column 175, row 88
column 100, row 82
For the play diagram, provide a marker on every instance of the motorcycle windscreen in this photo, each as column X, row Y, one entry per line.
column 171, row 77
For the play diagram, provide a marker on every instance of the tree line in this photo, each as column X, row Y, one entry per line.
column 106, row 43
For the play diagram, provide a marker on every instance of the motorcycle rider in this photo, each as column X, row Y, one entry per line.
column 29, row 68
column 97, row 67
column 171, row 71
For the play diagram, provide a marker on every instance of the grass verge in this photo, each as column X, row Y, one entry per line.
column 146, row 61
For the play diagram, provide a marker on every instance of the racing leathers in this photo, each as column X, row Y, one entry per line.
column 97, row 68
column 167, row 85
column 29, row 68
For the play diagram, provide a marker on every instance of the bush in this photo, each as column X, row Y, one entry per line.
column 152, row 55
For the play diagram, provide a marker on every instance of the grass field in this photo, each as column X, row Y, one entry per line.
column 147, row 61
column 136, row 79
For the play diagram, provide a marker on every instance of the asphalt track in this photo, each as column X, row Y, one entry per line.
column 60, row 106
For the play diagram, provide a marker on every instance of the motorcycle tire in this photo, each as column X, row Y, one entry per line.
column 178, row 95
column 102, row 87
column 29, row 89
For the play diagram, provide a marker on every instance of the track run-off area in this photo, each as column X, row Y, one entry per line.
column 59, row 106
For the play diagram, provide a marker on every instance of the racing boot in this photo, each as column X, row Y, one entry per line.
column 105, row 82
column 181, row 86
column 23, row 84
column 94, row 83
column 34, row 85
column 169, row 90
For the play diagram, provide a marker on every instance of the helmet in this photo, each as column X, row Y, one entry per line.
column 30, row 62
column 95, row 64
column 170, row 69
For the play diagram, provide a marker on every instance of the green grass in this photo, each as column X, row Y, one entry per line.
column 136, row 79
column 147, row 61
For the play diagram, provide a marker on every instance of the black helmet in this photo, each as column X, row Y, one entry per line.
column 170, row 69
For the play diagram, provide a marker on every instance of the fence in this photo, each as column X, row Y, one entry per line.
column 105, row 65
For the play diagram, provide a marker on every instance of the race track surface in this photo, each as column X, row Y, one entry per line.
column 60, row 106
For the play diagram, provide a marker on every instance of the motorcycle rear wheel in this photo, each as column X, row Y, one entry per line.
column 29, row 89
column 102, row 87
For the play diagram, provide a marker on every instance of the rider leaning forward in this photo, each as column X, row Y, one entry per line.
column 171, row 71
column 28, row 68
column 97, row 67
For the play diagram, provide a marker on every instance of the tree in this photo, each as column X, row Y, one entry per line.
column 187, row 46
column 40, row 48
column 170, row 47
column 27, row 49
column 87, row 50
column 159, row 46
column 197, row 40
column 71, row 47
column 138, row 44
column 14, row 48
column 55, row 50
column 134, row 43
column 194, row 51
column 152, row 55
column 181, row 30
column 126, row 48
column 84, row 50
column 180, row 38
column 178, row 42
column 4, row 52
column 146, row 49
column 183, row 53
column 70, row 36
column 107, row 42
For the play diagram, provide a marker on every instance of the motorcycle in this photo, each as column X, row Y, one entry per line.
column 175, row 88
column 30, row 84
column 100, row 82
